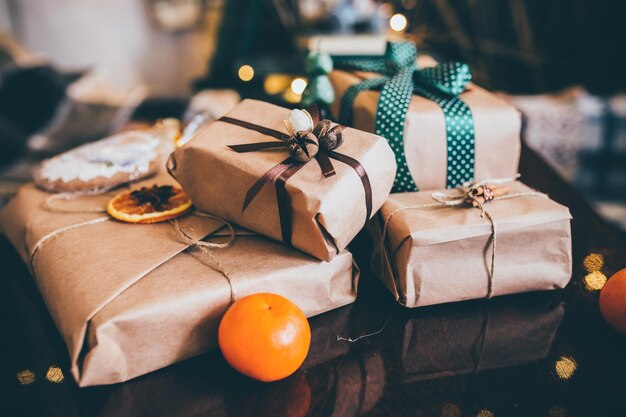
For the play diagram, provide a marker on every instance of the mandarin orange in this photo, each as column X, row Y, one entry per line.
column 613, row 301
column 264, row 336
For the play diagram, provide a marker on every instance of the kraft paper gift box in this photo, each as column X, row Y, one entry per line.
column 132, row 298
column 496, row 126
column 435, row 254
column 316, row 214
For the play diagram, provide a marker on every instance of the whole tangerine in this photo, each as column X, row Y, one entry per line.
column 613, row 301
column 264, row 336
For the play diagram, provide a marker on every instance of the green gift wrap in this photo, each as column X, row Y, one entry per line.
column 443, row 129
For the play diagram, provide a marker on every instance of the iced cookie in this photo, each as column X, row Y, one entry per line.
column 102, row 165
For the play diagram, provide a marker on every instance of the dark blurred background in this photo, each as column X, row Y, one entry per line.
column 73, row 71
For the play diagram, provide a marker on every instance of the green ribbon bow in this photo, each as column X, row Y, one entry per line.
column 400, row 79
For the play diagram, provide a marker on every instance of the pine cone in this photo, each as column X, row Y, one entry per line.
column 303, row 146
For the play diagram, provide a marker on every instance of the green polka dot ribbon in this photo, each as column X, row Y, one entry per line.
column 400, row 79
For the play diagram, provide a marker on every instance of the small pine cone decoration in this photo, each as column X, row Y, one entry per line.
column 303, row 146
column 333, row 139
column 329, row 138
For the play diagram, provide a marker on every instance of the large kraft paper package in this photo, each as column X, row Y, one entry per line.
column 325, row 213
column 443, row 254
column 132, row 298
column 496, row 124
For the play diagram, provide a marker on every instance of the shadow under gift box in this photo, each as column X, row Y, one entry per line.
column 442, row 254
column 129, row 299
column 326, row 213
column 496, row 125
column 478, row 336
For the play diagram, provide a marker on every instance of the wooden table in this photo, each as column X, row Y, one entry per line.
column 542, row 354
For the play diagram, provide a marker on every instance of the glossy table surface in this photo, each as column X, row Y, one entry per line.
column 540, row 354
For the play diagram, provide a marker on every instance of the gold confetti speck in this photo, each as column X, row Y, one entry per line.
column 594, row 281
column 593, row 262
column 55, row 375
column 485, row 413
column 557, row 411
column 565, row 367
column 26, row 377
column 450, row 410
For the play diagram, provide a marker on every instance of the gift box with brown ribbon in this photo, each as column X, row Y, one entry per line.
column 443, row 129
column 477, row 241
column 132, row 298
column 309, row 183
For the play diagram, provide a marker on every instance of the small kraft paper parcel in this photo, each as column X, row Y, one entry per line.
column 476, row 241
column 309, row 183
column 132, row 298
column 443, row 129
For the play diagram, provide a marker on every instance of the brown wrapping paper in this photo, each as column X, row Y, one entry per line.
column 326, row 213
column 443, row 254
column 496, row 125
column 130, row 299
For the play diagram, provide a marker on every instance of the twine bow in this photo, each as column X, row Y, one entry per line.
column 283, row 171
column 470, row 194
column 400, row 79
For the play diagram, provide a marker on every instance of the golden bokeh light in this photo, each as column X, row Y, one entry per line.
column 291, row 97
column 565, row 367
column 398, row 22
column 26, row 377
column 593, row 262
column 450, row 410
column 276, row 83
column 298, row 85
column 55, row 375
column 485, row 413
column 594, row 281
column 246, row 73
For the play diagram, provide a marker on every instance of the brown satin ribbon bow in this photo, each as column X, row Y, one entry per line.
column 281, row 172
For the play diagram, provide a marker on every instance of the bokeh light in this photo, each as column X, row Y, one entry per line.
column 593, row 262
column 398, row 22
column 246, row 73
column 55, row 375
column 26, row 377
column 276, row 83
column 298, row 85
column 594, row 281
column 565, row 367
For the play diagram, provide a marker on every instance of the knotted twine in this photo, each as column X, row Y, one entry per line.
column 181, row 233
column 461, row 197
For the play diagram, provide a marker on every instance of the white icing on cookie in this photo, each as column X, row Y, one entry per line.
column 128, row 152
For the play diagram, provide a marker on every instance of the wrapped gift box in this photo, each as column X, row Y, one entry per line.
column 496, row 125
column 322, row 214
column 440, row 254
column 129, row 299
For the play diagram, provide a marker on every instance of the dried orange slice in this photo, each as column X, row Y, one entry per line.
column 149, row 205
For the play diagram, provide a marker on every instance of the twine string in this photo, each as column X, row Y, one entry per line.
column 464, row 197
column 206, row 247
column 56, row 232
column 182, row 234
column 50, row 202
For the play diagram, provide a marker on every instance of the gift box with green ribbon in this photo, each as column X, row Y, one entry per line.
column 443, row 129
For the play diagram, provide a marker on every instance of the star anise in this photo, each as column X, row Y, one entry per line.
column 156, row 196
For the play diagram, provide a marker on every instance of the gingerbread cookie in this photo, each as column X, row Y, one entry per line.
column 102, row 165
